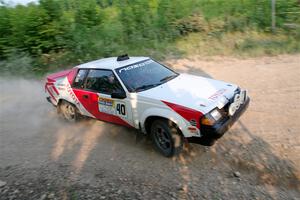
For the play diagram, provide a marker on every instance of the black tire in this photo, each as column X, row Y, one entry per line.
column 68, row 111
column 166, row 137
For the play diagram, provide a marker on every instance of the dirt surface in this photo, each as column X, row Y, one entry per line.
column 43, row 157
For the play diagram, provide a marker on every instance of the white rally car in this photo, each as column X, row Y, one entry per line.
column 141, row 93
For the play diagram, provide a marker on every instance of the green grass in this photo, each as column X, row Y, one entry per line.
column 245, row 44
column 234, row 44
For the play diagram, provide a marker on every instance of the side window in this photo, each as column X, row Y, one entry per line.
column 79, row 80
column 102, row 81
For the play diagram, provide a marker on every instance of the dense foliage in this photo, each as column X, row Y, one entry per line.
column 54, row 33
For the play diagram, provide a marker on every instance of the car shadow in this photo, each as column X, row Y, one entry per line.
column 257, row 157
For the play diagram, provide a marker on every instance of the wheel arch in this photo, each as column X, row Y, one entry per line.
column 174, row 136
column 150, row 119
column 163, row 113
column 61, row 100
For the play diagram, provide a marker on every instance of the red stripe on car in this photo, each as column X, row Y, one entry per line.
column 51, row 94
column 58, row 74
column 187, row 113
column 55, row 90
column 53, row 87
column 52, row 83
column 89, row 100
column 50, row 80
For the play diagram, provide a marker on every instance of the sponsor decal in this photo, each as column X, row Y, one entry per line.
column 106, row 105
column 61, row 88
column 216, row 95
column 112, row 107
column 61, row 84
column 135, row 66
column 72, row 95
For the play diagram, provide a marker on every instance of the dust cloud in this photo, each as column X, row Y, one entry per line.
column 23, row 106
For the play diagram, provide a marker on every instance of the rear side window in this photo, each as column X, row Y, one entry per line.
column 102, row 81
column 79, row 80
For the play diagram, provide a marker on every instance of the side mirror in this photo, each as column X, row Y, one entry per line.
column 118, row 95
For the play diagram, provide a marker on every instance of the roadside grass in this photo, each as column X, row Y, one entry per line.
column 244, row 44
column 238, row 44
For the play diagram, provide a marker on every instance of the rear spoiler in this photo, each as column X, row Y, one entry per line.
column 52, row 77
column 69, row 73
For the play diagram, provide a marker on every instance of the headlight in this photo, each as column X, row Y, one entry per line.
column 211, row 118
column 222, row 102
column 216, row 114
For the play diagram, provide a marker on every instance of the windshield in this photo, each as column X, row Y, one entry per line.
column 144, row 75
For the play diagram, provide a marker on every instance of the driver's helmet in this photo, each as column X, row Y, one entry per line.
column 111, row 79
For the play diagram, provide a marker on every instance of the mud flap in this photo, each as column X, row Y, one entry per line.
column 139, row 136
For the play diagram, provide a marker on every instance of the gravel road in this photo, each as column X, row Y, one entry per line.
column 43, row 157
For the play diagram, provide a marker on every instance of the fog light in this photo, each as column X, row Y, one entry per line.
column 206, row 120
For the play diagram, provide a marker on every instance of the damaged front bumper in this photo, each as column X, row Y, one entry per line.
column 211, row 133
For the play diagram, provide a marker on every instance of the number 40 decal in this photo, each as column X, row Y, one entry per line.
column 121, row 109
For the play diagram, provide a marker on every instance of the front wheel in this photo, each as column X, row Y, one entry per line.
column 68, row 111
column 166, row 137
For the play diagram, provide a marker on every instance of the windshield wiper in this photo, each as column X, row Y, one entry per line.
column 168, row 78
column 144, row 87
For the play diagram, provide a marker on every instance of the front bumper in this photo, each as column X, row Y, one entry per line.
column 211, row 133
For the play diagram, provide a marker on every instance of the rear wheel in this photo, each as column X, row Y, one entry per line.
column 166, row 137
column 68, row 111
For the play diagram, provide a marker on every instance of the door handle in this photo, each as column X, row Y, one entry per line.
column 85, row 96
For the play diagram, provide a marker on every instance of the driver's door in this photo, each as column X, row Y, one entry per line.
column 99, row 85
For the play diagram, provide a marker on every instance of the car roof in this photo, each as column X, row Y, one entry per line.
column 110, row 63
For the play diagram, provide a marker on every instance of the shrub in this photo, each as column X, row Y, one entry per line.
column 17, row 64
column 193, row 23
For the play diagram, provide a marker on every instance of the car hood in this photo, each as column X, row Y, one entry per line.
column 195, row 92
